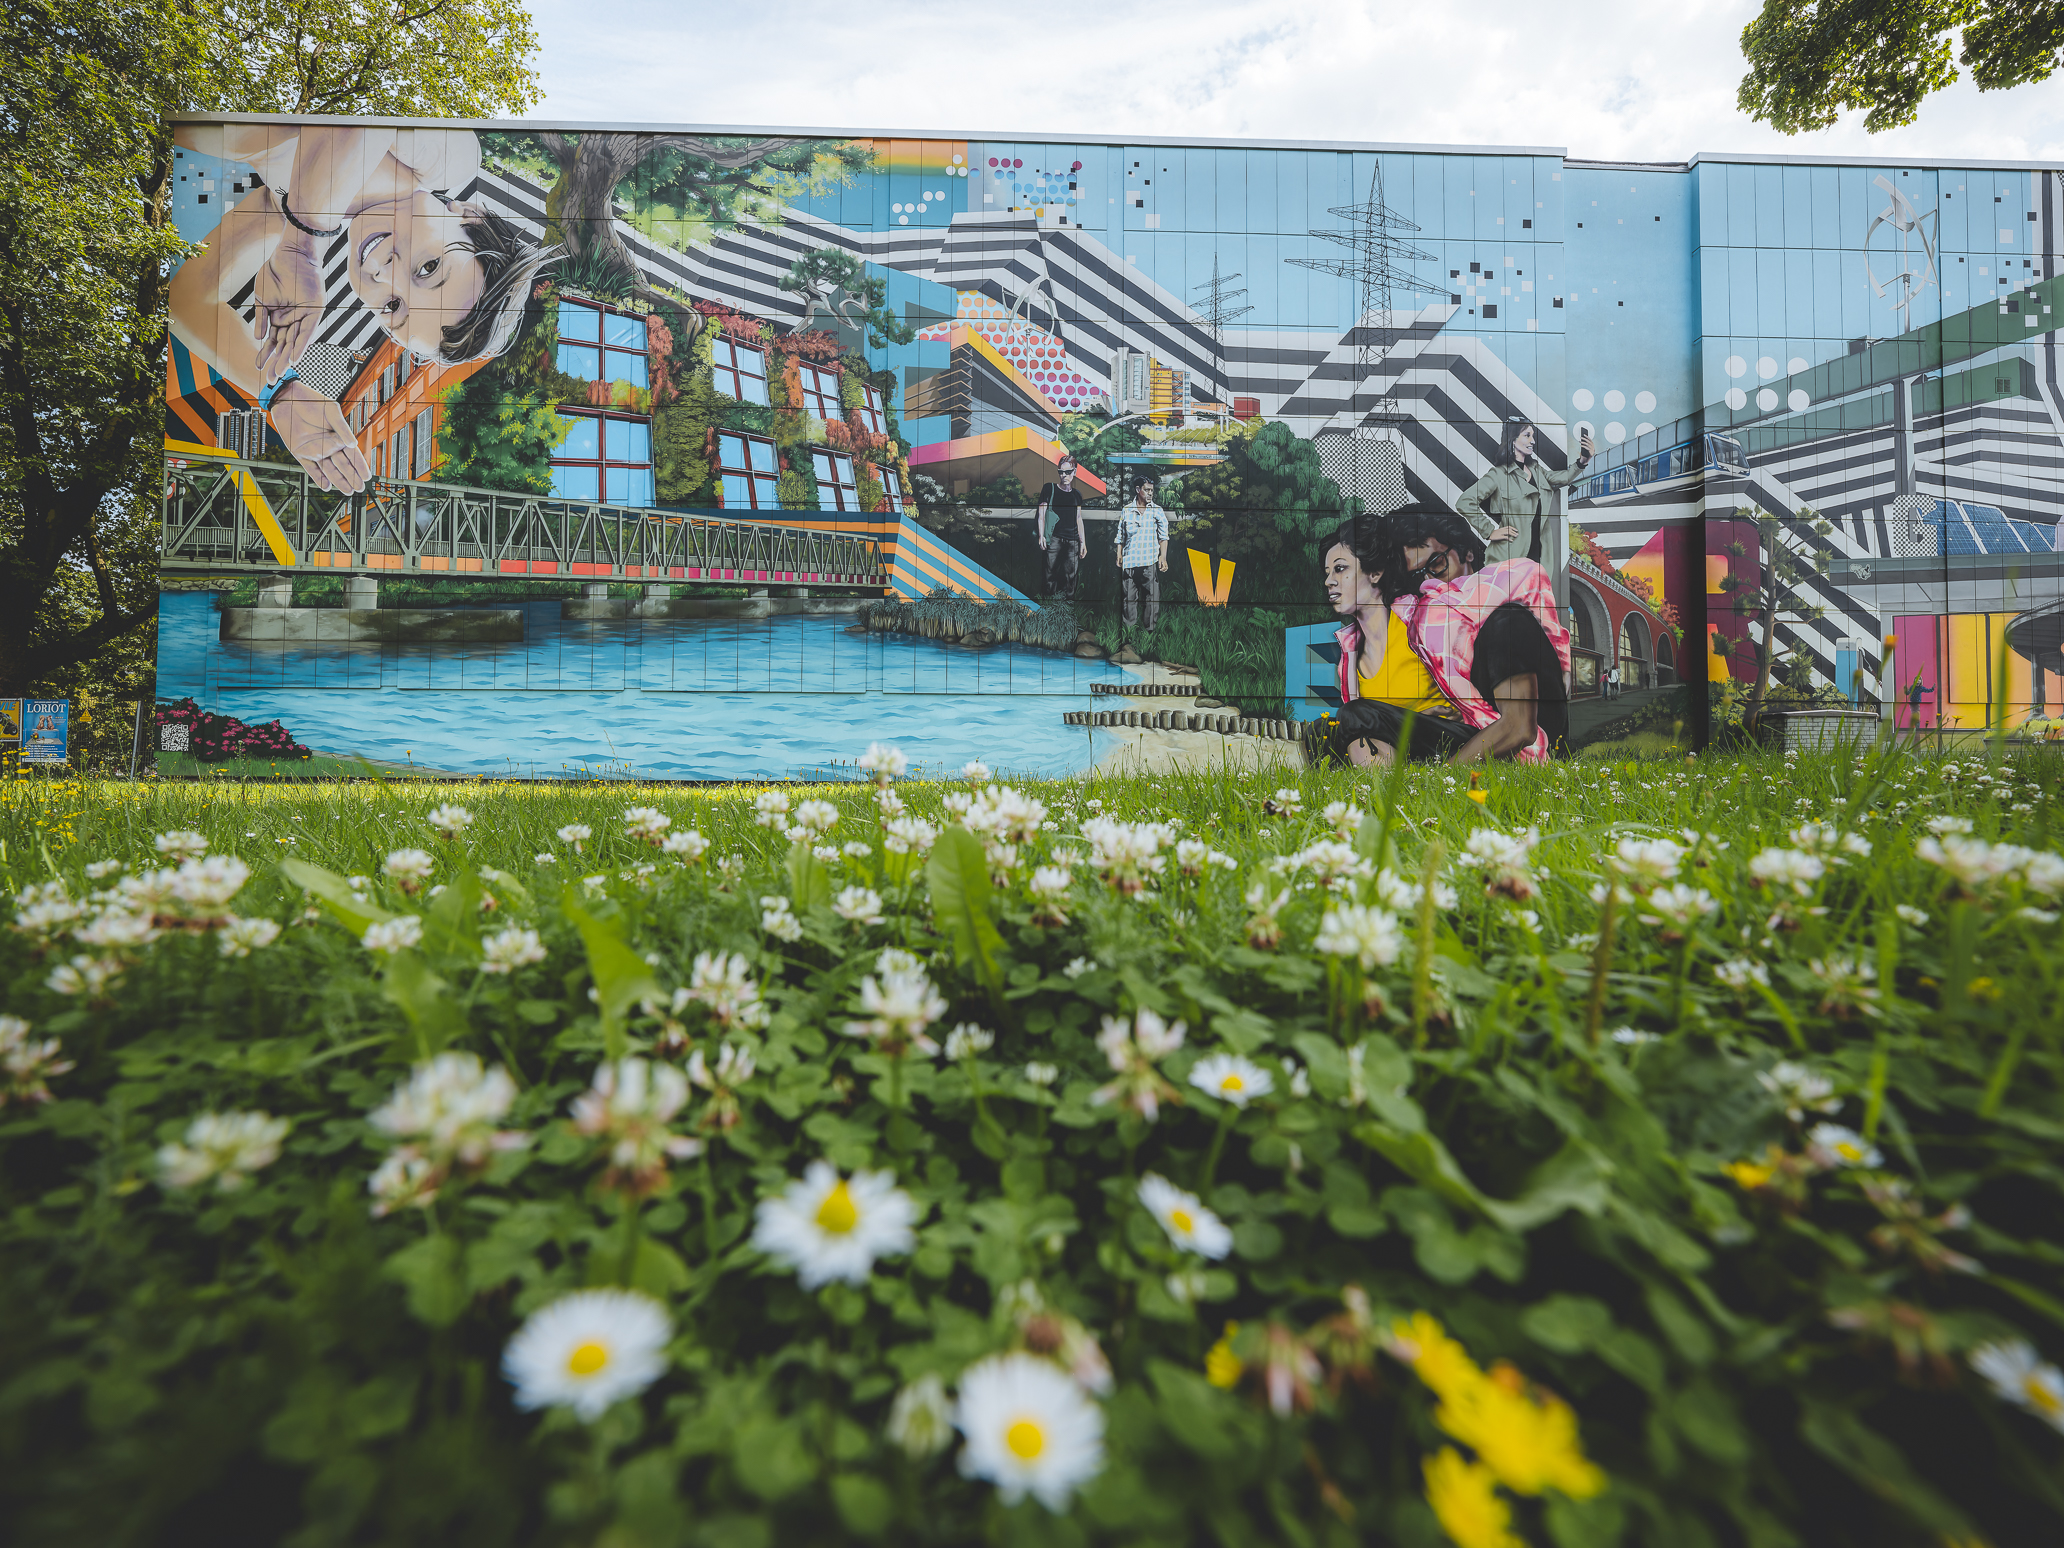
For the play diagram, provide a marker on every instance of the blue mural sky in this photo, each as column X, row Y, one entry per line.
column 1610, row 79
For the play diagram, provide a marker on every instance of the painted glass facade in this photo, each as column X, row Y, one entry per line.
column 771, row 379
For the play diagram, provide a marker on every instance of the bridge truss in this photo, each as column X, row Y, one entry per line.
column 223, row 514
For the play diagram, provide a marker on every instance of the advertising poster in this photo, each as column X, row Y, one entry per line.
column 713, row 454
column 45, row 730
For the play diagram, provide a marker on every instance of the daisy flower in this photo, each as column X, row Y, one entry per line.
column 587, row 1351
column 1231, row 1078
column 1030, row 1430
column 2020, row 1377
column 1831, row 1144
column 828, row 1227
column 1188, row 1223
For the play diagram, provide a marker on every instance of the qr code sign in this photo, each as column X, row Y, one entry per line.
column 172, row 738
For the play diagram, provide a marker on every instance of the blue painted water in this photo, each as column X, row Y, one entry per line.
column 661, row 698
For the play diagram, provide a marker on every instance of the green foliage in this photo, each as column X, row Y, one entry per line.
column 1759, row 1343
column 1809, row 63
column 1094, row 445
column 493, row 437
column 1269, row 508
column 838, row 283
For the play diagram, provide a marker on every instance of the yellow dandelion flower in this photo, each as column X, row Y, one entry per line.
column 1749, row 1175
column 1464, row 1496
column 1222, row 1367
column 1528, row 1438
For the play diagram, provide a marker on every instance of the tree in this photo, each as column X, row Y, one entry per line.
column 87, row 92
column 1811, row 60
column 837, row 283
column 1270, row 506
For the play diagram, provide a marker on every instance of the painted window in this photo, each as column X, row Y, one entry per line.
column 869, row 412
column 821, row 392
column 605, row 457
column 748, row 472
column 835, row 491
column 741, row 373
column 892, row 486
column 599, row 346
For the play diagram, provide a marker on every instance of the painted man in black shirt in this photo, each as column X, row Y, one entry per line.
column 1059, row 509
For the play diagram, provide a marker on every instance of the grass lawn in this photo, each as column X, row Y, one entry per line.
column 1651, row 1151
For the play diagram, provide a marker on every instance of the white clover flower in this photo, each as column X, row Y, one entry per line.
column 1856, row 844
column 1231, row 1078
column 1042, row 1074
column 1193, row 857
column 227, row 1147
column 770, row 809
column 2044, row 873
column 545, row 857
column 975, row 772
column 967, row 1040
column 828, row 1228
column 909, row 835
column 1132, row 1050
column 734, row 1068
column 410, row 867
column 1781, row 868
column 180, row 845
column 1679, row 908
column 1402, row 896
column 1189, row 1225
column 449, row 1107
column 406, row 1179
column 723, row 984
column 1005, row 814
column 1628, row 1037
column 450, row 820
column 1344, row 817
column 207, row 885
column 588, row 1351
column 825, row 852
column 1846, row 984
column 889, row 803
column 576, row 834
column 884, row 762
column 115, row 928
column 1049, row 884
column 629, row 1107
column 1740, row 974
column 779, row 920
column 900, row 1003
column 27, row 1063
column 1943, row 827
column 43, row 909
column 1285, row 802
column 1914, row 916
column 1077, row 966
column 1030, row 1430
column 1126, row 854
column 921, row 1418
column 858, row 905
column 507, row 950
column 241, row 937
column 392, row 935
column 1799, row 1089
column 1370, row 936
column 687, row 845
column 1328, row 861
column 2038, row 916
column 816, row 817
column 855, row 849
column 87, row 976
column 1830, row 1144
column 957, row 802
column 1646, row 862
column 648, row 823
column 2019, row 1376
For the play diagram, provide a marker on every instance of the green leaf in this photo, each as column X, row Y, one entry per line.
column 506, row 886
column 451, row 924
column 1680, row 1325
column 864, row 1504
column 771, row 1456
column 809, row 883
column 622, row 977
column 1704, row 1415
column 1597, row 1522
column 355, row 911
column 433, row 1012
column 1567, row 1324
column 432, row 1274
column 958, row 875
column 1196, row 1413
column 1880, row 1467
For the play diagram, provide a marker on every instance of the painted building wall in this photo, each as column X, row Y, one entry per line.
column 1822, row 399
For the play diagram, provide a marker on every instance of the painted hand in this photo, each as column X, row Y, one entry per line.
column 1504, row 534
column 316, row 433
column 288, row 289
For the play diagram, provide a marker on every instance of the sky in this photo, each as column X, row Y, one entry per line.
column 1602, row 79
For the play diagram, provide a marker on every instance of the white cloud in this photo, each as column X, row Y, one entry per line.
column 1609, row 79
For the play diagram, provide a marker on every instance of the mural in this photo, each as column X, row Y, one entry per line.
column 714, row 455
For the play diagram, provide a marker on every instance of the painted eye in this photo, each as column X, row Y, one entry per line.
column 427, row 268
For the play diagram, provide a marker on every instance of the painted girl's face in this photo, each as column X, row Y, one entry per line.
column 1523, row 444
column 1347, row 586
column 410, row 265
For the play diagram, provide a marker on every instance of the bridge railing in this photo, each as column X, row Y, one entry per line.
column 225, row 514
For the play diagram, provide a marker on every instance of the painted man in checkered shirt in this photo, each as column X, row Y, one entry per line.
column 1142, row 554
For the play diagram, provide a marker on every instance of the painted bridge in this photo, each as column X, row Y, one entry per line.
column 224, row 514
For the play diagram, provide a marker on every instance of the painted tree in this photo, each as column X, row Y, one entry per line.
column 837, row 283
column 1784, row 558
